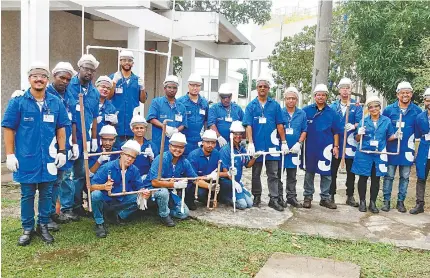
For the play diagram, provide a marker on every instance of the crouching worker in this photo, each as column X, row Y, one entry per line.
column 243, row 197
column 107, row 139
column 109, row 179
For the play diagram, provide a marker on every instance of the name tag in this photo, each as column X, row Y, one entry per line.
column 289, row 131
column 118, row 90
column 228, row 119
column 427, row 137
column 28, row 119
column 398, row 124
column 49, row 118
column 262, row 120
column 202, row 112
column 178, row 117
column 374, row 143
column 163, row 116
column 69, row 115
column 78, row 107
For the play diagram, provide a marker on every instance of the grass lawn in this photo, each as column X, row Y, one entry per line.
column 144, row 248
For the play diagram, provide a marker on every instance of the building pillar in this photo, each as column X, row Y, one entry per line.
column 188, row 66
column 222, row 72
column 136, row 40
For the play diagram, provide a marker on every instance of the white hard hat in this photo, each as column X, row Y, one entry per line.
column 38, row 66
column 137, row 120
column 237, row 126
column 88, row 59
column 104, row 79
column 171, row 79
column 373, row 99
column 291, row 90
column 131, row 145
column 226, row 89
column 195, row 78
column 64, row 67
column 321, row 88
column 209, row 135
column 108, row 130
column 344, row 82
column 427, row 93
column 404, row 86
column 264, row 78
column 126, row 54
column 178, row 138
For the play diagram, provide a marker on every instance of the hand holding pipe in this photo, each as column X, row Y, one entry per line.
column 233, row 175
column 345, row 132
column 84, row 139
column 217, row 186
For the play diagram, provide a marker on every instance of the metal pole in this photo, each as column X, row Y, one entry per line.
column 84, row 147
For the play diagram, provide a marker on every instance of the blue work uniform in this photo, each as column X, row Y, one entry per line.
column 143, row 162
column 161, row 110
column 354, row 117
column 104, row 109
column 322, row 126
column 422, row 131
column 378, row 135
column 92, row 159
column 126, row 99
column 407, row 144
column 222, row 117
column 264, row 121
column 197, row 115
column 294, row 126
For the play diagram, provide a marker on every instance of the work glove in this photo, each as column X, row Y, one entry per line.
column 232, row 171
column 12, row 162
column 251, row 149
column 99, row 119
column 284, row 148
column 116, row 77
column 17, row 93
column 103, row 158
column 143, row 177
column 94, row 145
column 60, row 160
column 180, row 184
column 398, row 134
column 213, row 175
column 349, row 127
column 256, row 155
column 170, row 131
column 221, row 141
column 75, row 152
column 141, row 202
column 237, row 186
column 148, row 151
column 361, row 130
column 141, row 84
column 112, row 118
column 296, row 148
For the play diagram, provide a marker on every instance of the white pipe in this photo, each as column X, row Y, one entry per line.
column 83, row 29
column 130, row 49
column 233, row 175
column 169, row 56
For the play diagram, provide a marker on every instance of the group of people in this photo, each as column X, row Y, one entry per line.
column 45, row 149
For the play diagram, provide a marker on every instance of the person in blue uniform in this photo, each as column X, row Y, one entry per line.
column 107, row 139
column 107, row 114
column 167, row 107
column 321, row 145
column 375, row 133
column 223, row 113
column 109, row 178
column 264, row 125
column 295, row 124
column 354, row 117
column 243, row 197
column 197, row 112
column 127, row 94
column 33, row 125
column 406, row 157
column 422, row 131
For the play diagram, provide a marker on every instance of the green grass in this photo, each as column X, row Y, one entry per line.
column 192, row 249
column 7, row 203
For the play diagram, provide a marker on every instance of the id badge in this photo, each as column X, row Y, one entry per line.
column 78, row 107
column 400, row 124
column 49, row 118
column 262, row 120
column 118, row 90
column 69, row 115
column 178, row 117
column 202, row 112
column 374, row 143
column 228, row 119
column 427, row 137
column 289, row 131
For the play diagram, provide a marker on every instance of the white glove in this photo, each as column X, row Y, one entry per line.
column 398, row 134
column 12, row 162
column 141, row 84
column 116, row 77
column 349, row 127
column 143, row 177
column 141, row 202
column 256, row 155
column 296, row 148
column 17, row 93
column 284, row 148
column 94, row 145
column 103, row 158
column 60, row 160
column 232, row 171
column 180, row 184
column 75, row 152
column 221, row 141
column 213, row 175
column 237, row 186
column 148, row 151
column 361, row 130
column 251, row 149
column 112, row 118
column 170, row 131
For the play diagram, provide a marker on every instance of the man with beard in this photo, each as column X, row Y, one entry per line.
column 127, row 92
column 107, row 139
column 422, row 131
column 107, row 112
column 32, row 124
column 197, row 111
column 222, row 114
column 166, row 107
column 407, row 145
column 81, row 84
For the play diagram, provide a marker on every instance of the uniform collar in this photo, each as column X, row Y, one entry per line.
column 255, row 100
column 75, row 81
column 199, row 99
column 48, row 96
column 167, row 101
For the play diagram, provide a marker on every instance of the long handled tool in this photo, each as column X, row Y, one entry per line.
column 84, row 140
column 217, row 187
column 345, row 134
column 233, row 174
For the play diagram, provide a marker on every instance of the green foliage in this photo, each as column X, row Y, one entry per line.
column 236, row 12
column 243, row 86
column 422, row 72
column 177, row 65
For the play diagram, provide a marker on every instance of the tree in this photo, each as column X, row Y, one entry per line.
column 243, row 86
column 422, row 72
column 236, row 12
column 177, row 65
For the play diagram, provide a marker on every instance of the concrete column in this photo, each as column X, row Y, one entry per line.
column 222, row 72
column 136, row 40
column 188, row 67
column 160, row 68
column 258, row 68
column 34, row 35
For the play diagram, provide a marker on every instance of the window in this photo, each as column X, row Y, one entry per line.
column 214, row 85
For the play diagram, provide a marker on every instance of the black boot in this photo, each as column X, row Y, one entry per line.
column 69, row 215
column 373, row 208
column 307, row 203
column 281, row 202
column 350, row 201
column 257, row 201
column 26, row 237
column 80, row 211
column 273, row 203
column 332, row 199
column 328, row 204
column 362, row 206
column 43, row 232
column 60, row 218
column 419, row 208
column 167, row 221
column 294, row 203
column 52, row 226
column 190, row 203
column 101, row 230
column 401, row 206
column 386, row 206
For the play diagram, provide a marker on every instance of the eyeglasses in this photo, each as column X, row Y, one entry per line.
column 373, row 107
column 126, row 60
column 179, row 147
column 290, row 98
column 194, row 85
column 223, row 97
column 405, row 93
column 88, row 69
column 237, row 134
column 129, row 156
column 39, row 76
column 104, row 87
column 263, row 87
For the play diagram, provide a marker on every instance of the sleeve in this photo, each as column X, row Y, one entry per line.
column 417, row 128
column 225, row 158
column 153, row 171
column 304, row 125
column 206, row 111
column 12, row 115
column 100, row 177
column 247, row 118
column 154, row 148
column 390, row 129
column 153, row 110
column 137, row 183
column 358, row 114
column 111, row 109
column 92, row 160
column 189, row 171
column 63, row 118
column 386, row 112
column 212, row 116
column 73, row 103
column 337, row 127
column 184, row 117
column 241, row 114
column 279, row 119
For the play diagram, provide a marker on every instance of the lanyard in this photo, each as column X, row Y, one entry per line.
column 63, row 99
column 262, row 109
